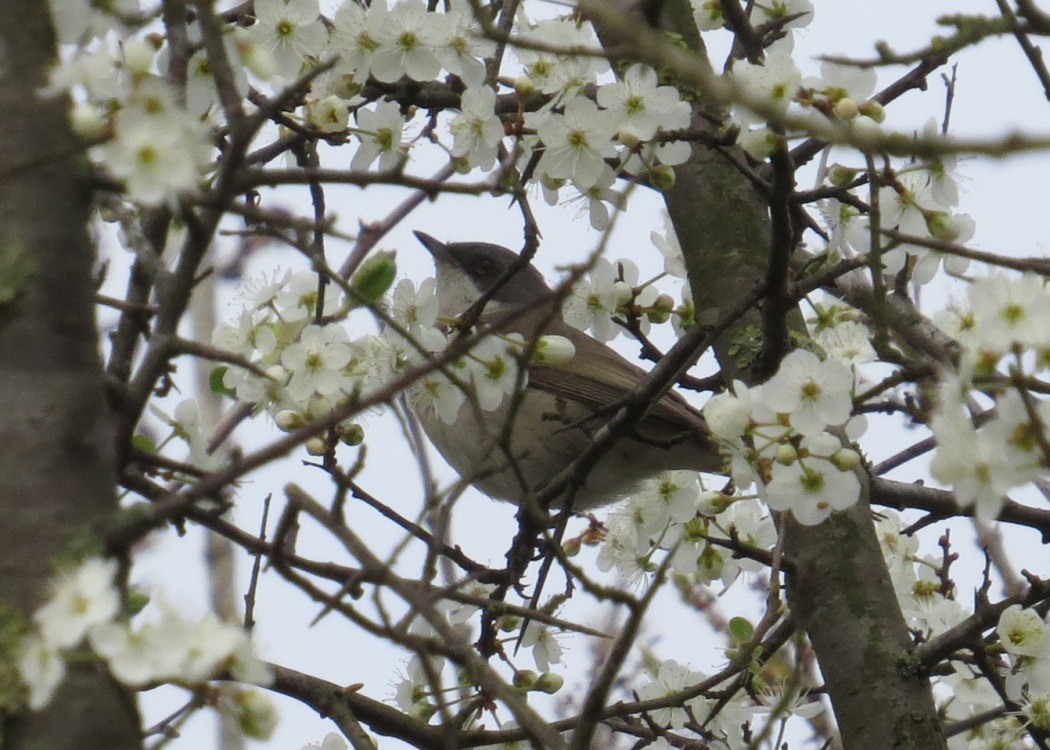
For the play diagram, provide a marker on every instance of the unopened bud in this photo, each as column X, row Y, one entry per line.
column 941, row 225
column 329, row 115
column 352, row 434
column 523, row 85
column 375, row 276
column 138, row 55
column 866, row 132
column 316, row 446
column 840, row 176
column 786, row 454
column 661, row 309
column 759, row 144
column 277, row 374
column 846, row 459
column 288, row 420
column 846, row 108
column 628, row 138
column 525, row 679
column 873, row 110
column 508, row 623
column 712, row 502
column 662, row 177
column 554, row 350
column 422, row 710
column 549, row 683
column 88, row 121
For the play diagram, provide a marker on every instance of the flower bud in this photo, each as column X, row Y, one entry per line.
column 316, row 446
column 375, row 276
column 866, row 132
column 549, row 683
column 346, row 87
column 623, row 292
column 846, row 459
column 277, row 374
column 352, row 434
column 422, row 710
column 840, row 176
column 759, row 144
column 508, row 623
column 873, row 110
column 662, row 177
column 525, row 679
column 523, row 85
column 329, row 115
column 88, row 121
column 846, row 108
column 660, row 311
column 288, row 420
column 554, row 350
column 941, row 225
column 786, row 454
column 628, row 138
column 712, row 502
column 256, row 714
column 138, row 55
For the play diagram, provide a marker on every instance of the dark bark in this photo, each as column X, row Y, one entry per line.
column 56, row 465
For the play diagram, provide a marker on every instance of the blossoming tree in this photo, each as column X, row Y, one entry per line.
column 170, row 136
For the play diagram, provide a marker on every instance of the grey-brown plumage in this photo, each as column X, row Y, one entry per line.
column 511, row 452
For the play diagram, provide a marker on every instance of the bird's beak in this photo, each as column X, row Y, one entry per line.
column 435, row 247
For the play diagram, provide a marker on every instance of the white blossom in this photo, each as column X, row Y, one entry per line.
column 291, row 30
column 640, row 106
column 812, row 488
column 1023, row 632
column 81, row 598
column 407, row 38
column 42, row 669
column 316, row 361
column 667, row 243
column 671, row 680
column 576, row 143
column 599, row 296
column 540, row 638
column 477, row 130
column 814, row 394
column 379, row 131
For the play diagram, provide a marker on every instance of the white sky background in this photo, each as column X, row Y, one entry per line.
column 1007, row 198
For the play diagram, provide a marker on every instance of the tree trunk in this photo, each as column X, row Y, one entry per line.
column 57, row 475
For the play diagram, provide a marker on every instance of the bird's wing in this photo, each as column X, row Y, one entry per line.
column 607, row 378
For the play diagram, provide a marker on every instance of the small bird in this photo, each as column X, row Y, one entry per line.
column 512, row 452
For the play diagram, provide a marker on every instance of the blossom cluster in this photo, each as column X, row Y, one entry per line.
column 920, row 201
column 927, row 598
column 1025, row 636
column 84, row 609
column 1001, row 327
column 785, row 436
column 611, row 293
column 673, row 514
column 303, row 370
column 149, row 137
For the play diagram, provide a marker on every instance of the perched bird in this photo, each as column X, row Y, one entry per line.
column 512, row 452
